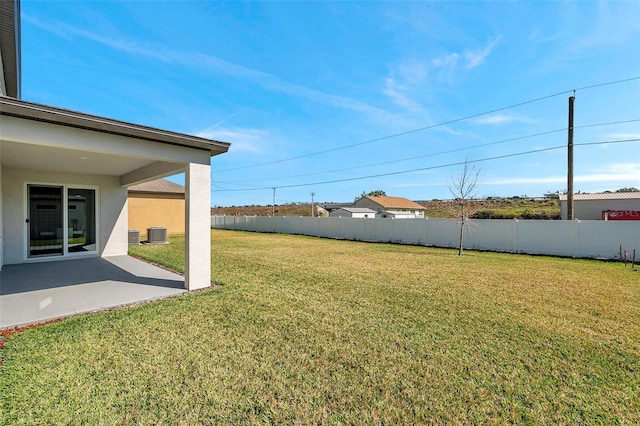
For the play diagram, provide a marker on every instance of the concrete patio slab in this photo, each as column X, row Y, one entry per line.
column 38, row 292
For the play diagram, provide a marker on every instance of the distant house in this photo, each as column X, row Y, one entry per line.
column 158, row 203
column 329, row 207
column 357, row 212
column 391, row 207
column 591, row 206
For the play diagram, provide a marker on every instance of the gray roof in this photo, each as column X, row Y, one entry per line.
column 158, row 185
column 10, row 45
column 604, row 196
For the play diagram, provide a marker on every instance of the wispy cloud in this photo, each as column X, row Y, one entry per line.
column 615, row 172
column 614, row 23
column 400, row 94
column 525, row 180
column 465, row 133
column 200, row 61
column 411, row 77
column 632, row 169
column 405, row 86
column 539, row 36
column 624, row 135
column 449, row 63
column 227, row 118
column 500, row 119
column 68, row 32
column 477, row 57
column 244, row 139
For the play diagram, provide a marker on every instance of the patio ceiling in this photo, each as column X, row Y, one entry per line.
column 27, row 156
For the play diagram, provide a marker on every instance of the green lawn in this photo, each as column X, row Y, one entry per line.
column 307, row 331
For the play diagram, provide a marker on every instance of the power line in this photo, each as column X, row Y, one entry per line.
column 497, row 157
column 395, row 135
column 609, row 83
column 432, row 154
column 606, row 124
column 606, row 142
column 217, row 183
column 411, row 158
column 420, row 129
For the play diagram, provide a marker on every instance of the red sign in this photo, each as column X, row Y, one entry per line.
column 621, row 215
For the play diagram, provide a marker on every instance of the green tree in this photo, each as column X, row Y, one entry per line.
column 376, row 193
column 630, row 189
column 552, row 195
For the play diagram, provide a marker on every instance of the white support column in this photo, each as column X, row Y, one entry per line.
column 197, row 226
column 1, row 213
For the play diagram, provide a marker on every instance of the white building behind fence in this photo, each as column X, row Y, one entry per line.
column 592, row 206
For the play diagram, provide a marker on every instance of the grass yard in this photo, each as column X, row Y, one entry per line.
column 306, row 330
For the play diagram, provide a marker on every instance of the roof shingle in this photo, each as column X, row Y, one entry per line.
column 396, row 202
column 160, row 185
column 604, row 196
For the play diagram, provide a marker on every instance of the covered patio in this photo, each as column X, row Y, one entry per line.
column 39, row 292
column 64, row 179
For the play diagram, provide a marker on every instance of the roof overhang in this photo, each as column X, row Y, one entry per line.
column 39, row 137
column 63, row 117
column 10, row 47
column 607, row 196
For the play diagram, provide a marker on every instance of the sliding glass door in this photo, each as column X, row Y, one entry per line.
column 61, row 220
column 81, row 220
column 45, row 221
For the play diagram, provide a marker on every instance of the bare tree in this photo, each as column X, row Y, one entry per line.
column 463, row 189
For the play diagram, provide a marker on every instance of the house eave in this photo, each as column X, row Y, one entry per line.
column 404, row 208
column 63, row 117
column 10, row 47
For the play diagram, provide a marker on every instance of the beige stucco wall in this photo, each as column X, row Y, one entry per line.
column 111, row 217
column 147, row 210
column 367, row 203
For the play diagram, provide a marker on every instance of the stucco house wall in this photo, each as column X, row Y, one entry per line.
column 367, row 203
column 362, row 213
column 147, row 210
column 111, row 215
column 1, row 214
column 400, row 214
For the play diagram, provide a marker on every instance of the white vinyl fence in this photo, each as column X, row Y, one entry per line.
column 586, row 238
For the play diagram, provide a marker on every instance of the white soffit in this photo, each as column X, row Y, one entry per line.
column 26, row 156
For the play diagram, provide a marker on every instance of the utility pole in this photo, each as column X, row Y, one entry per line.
column 273, row 205
column 313, row 194
column 570, row 161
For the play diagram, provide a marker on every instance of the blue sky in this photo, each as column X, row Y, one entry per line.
column 337, row 98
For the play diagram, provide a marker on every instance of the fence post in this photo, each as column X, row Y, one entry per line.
column 426, row 231
column 576, row 237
